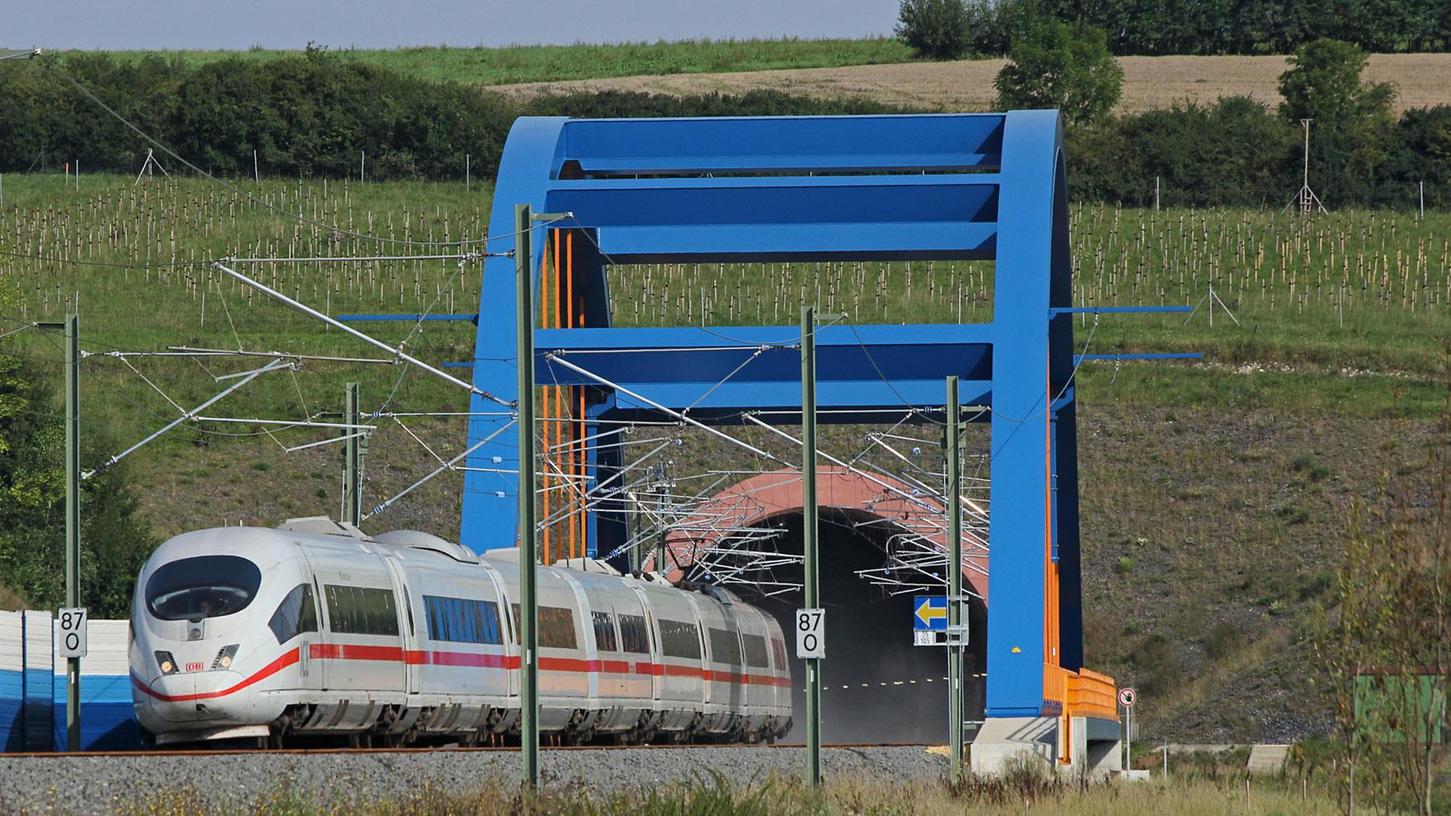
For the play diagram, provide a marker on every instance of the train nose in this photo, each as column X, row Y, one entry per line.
column 200, row 696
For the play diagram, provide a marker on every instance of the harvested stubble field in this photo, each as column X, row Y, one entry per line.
column 1421, row 80
column 1214, row 495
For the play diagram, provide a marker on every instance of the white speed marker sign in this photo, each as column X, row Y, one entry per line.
column 810, row 633
column 70, row 634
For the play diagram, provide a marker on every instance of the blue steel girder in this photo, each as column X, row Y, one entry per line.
column 952, row 186
column 721, row 373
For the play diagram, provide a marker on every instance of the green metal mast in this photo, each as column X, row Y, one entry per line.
column 73, row 518
column 955, row 630
column 810, row 565
column 528, row 544
column 353, row 460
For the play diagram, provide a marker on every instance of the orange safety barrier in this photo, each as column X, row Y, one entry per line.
column 1084, row 693
column 1091, row 694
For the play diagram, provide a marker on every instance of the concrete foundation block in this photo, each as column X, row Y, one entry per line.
column 1095, row 751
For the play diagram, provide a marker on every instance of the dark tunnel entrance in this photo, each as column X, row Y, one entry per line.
column 877, row 687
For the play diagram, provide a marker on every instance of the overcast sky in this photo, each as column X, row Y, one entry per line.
column 238, row 24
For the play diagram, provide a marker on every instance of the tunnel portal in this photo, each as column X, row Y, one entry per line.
column 876, row 686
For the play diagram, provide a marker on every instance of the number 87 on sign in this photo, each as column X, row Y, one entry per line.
column 71, row 632
column 810, row 633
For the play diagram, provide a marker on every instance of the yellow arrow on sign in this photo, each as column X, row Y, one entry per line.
column 927, row 613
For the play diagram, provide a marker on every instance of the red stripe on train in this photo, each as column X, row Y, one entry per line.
column 395, row 654
column 286, row 659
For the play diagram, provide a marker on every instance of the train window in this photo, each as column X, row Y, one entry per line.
column 462, row 620
column 778, row 651
column 755, row 648
column 634, row 637
column 605, row 639
column 207, row 586
column 295, row 615
column 556, row 627
column 361, row 610
column 725, row 647
column 679, row 639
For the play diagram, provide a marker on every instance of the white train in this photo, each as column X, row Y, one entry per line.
column 315, row 628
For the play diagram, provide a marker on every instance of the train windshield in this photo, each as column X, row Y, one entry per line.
column 207, row 586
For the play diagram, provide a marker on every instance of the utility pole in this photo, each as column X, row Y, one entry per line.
column 955, row 628
column 353, row 459
column 528, row 545
column 810, row 566
column 72, row 512
column 73, row 518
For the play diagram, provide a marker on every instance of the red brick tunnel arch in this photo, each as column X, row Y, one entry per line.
column 854, row 495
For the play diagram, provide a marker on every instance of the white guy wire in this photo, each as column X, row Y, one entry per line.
column 346, row 329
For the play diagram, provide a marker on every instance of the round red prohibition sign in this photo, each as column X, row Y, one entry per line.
column 1127, row 697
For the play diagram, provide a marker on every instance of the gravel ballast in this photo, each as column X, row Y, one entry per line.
column 99, row 784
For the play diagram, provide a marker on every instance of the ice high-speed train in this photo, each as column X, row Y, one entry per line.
column 315, row 628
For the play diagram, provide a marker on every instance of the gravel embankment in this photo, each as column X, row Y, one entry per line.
column 87, row 785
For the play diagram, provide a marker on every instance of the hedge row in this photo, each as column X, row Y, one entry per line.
column 313, row 115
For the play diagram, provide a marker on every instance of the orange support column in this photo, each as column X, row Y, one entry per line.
column 546, row 420
column 574, row 440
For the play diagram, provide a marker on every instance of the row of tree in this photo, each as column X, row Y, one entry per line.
column 1239, row 152
column 316, row 114
column 955, row 28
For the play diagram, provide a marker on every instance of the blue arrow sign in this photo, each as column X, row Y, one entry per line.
column 929, row 613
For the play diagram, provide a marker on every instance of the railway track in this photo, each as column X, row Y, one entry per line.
column 344, row 779
column 449, row 749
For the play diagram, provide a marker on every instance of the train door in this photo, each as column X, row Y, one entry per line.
column 407, row 624
column 364, row 649
column 652, row 654
column 314, row 672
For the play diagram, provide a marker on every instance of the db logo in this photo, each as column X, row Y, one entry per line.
column 193, row 667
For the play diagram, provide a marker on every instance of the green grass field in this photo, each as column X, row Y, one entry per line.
column 541, row 63
column 1214, row 494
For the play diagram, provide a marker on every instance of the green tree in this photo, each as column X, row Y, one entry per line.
column 1063, row 66
column 994, row 25
column 1323, row 83
column 114, row 539
column 1351, row 133
column 936, row 29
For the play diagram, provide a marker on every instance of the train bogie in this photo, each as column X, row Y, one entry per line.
column 315, row 628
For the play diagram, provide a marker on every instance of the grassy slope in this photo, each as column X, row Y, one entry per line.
column 542, row 63
column 1213, row 495
column 1189, row 794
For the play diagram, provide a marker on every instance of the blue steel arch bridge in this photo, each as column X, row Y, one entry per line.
column 952, row 187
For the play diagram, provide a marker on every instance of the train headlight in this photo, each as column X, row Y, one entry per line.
column 224, row 657
column 166, row 662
